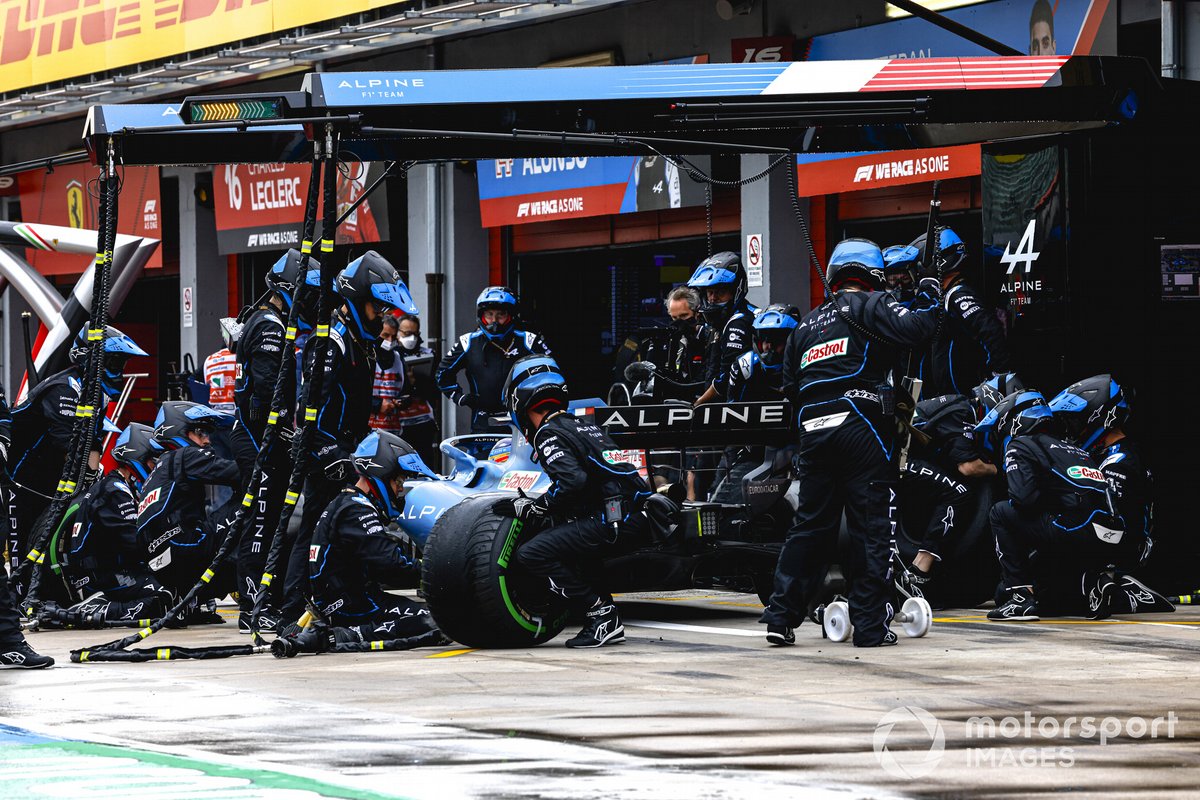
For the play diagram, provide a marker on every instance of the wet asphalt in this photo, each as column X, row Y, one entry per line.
column 694, row 705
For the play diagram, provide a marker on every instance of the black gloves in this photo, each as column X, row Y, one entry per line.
column 523, row 509
column 930, row 286
column 471, row 401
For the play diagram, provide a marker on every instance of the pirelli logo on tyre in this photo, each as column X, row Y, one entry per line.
column 824, row 350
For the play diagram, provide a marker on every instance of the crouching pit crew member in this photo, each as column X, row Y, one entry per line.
column 593, row 506
column 178, row 539
column 102, row 558
column 836, row 371
column 1095, row 413
column 1058, row 507
column 351, row 553
column 947, row 468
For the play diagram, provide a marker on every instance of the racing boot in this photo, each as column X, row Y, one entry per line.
column 1134, row 597
column 19, row 655
column 603, row 626
column 1019, row 607
column 780, row 635
column 1099, row 588
column 910, row 581
column 268, row 621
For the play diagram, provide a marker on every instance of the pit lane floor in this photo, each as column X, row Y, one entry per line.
column 694, row 705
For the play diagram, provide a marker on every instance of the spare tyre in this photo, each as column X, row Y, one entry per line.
column 476, row 593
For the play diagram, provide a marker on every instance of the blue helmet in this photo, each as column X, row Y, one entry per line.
column 900, row 262
column 384, row 456
column 177, row 417
column 952, row 252
column 118, row 348
column 720, row 270
column 136, row 449
column 370, row 278
column 283, row 278
column 855, row 261
column 772, row 327
column 1090, row 407
column 533, row 381
column 1020, row 413
column 499, row 298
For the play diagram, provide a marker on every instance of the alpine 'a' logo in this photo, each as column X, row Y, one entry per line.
column 824, row 350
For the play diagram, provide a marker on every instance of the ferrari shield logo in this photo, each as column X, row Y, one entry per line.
column 76, row 205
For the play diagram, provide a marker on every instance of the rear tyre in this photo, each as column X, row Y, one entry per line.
column 476, row 593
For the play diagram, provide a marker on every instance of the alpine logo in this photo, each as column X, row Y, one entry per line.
column 555, row 205
column 1024, row 254
column 822, row 351
column 150, row 499
column 1086, row 473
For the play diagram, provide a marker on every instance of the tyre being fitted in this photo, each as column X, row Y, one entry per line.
column 476, row 593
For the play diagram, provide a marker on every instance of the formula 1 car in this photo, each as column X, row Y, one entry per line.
column 479, row 597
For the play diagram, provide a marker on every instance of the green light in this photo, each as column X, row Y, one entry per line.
column 227, row 110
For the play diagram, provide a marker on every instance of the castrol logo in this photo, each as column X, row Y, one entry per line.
column 824, row 350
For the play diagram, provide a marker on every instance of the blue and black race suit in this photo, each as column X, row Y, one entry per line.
column 586, row 473
column 1058, row 505
column 832, row 372
column 349, row 557
column 970, row 347
column 486, row 363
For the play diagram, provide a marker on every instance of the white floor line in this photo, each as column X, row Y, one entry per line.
column 676, row 626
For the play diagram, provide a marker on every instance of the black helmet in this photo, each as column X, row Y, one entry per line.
column 136, row 449
column 952, row 252
column 533, row 381
column 177, row 417
column 720, row 270
column 1018, row 414
column 772, row 327
column 995, row 389
column 1090, row 407
column 118, row 348
column 285, row 279
column 499, row 298
column 370, row 278
column 383, row 456
column 856, row 261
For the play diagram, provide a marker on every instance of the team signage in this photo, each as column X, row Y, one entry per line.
column 261, row 206
column 513, row 191
column 830, row 173
column 682, row 426
column 63, row 197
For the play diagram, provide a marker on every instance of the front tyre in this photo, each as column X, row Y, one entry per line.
column 476, row 593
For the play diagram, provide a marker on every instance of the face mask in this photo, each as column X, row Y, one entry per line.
column 410, row 342
column 687, row 326
column 388, row 344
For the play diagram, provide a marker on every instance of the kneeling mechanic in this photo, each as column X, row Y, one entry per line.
column 592, row 507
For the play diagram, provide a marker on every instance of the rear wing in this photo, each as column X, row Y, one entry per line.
column 715, row 424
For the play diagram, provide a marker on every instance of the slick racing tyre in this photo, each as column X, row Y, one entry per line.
column 476, row 593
